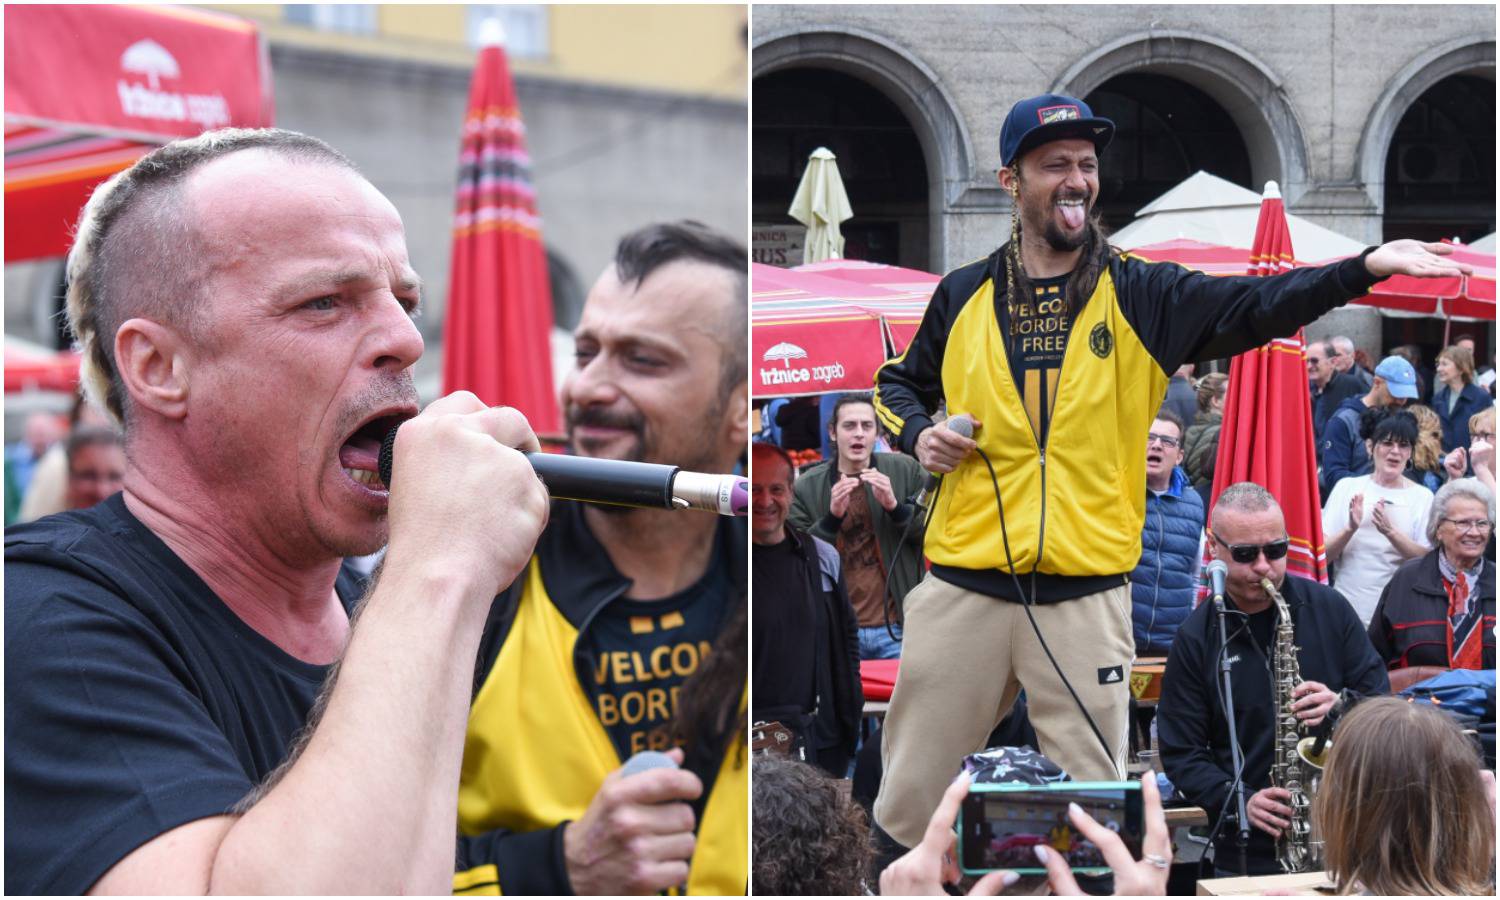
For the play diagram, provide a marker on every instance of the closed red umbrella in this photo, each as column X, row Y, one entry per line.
column 1267, row 433
column 497, row 338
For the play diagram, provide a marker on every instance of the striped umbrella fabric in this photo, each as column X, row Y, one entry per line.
column 1267, row 433
column 1466, row 298
column 909, row 291
column 497, row 335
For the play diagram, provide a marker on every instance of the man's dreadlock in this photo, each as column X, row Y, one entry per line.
column 1085, row 275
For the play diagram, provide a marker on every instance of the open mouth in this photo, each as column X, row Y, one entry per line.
column 1153, row 459
column 359, row 455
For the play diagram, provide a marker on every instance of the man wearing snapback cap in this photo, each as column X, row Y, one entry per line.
column 1058, row 348
column 1343, row 450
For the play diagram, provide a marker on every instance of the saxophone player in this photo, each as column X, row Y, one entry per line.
column 1334, row 660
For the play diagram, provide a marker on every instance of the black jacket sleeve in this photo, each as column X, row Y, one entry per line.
column 909, row 388
column 1185, row 316
column 1364, row 670
column 1184, row 724
column 527, row 863
column 1378, row 632
column 851, row 706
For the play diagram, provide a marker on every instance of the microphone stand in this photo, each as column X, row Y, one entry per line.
column 1237, row 756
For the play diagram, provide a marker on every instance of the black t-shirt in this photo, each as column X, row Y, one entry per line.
column 135, row 700
column 783, row 644
column 1035, row 342
column 643, row 650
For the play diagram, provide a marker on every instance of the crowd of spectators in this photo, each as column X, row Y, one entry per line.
column 1407, row 477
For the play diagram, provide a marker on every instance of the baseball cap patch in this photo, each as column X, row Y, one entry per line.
column 1050, row 114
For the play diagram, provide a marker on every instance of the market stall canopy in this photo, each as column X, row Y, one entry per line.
column 90, row 89
column 32, row 367
column 1485, row 244
column 909, row 289
column 1209, row 209
column 827, row 326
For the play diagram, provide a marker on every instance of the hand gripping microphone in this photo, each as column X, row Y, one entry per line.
column 960, row 425
column 620, row 483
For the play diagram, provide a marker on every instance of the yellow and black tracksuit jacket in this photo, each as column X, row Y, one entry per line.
column 535, row 752
column 1074, row 501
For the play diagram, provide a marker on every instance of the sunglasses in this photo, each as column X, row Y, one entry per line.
column 1248, row 553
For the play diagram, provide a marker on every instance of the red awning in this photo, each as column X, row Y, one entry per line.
column 89, row 89
column 901, row 312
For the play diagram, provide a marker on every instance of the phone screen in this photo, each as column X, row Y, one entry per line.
column 1000, row 828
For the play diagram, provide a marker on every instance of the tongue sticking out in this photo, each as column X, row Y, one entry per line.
column 1072, row 215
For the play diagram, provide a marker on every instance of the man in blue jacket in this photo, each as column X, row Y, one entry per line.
column 1162, row 585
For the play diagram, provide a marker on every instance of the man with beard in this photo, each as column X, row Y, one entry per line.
column 627, row 632
column 165, row 648
column 1058, row 348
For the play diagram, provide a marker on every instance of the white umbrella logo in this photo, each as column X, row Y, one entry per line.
column 150, row 59
column 784, row 352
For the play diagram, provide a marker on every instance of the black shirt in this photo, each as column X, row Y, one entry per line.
column 643, row 650
column 784, row 632
column 1193, row 730
column 135, row 700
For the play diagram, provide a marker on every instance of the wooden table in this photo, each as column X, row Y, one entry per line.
column 1185, row 815
column 1307, row 884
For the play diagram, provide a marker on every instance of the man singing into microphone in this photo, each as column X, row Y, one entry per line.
column 244, row 304
column 627, row 632
column 1059, row 349
column 1248, row 534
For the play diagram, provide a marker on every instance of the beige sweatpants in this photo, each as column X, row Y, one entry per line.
column 965, row 657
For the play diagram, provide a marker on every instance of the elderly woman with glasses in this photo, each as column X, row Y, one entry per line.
column 1373, row 523
column 1439, row 611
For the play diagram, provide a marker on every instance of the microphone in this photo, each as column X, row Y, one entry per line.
column 645, row 761
column 619, row 483
column 961, row 425
column 1217, row 572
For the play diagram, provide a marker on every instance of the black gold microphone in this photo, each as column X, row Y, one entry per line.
column 619, row 483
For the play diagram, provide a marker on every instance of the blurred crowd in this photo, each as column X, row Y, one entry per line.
column 63, row 462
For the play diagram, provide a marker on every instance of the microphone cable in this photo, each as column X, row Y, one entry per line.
column 1026, row 600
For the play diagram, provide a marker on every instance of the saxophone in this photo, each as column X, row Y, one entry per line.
column 1293, row 765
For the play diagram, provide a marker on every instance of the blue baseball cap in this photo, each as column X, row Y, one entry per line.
column 1400, row 377
column 1051, row 117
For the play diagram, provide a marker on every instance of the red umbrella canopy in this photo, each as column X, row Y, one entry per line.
column 810, row 334
column 90, row 89
column 497, row 338
column 910, row 289
column 1267, row 433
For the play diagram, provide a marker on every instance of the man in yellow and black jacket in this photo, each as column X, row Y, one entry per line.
column 628, row 630
column 1059, row 349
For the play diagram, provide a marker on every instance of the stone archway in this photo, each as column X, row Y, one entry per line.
column 1464, row 56
column 1245, row 87
column 908, row 82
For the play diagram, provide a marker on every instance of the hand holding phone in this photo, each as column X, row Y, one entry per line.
column 933, row 863
column 1146, row 877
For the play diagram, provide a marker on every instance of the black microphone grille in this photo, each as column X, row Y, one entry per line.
column 387, row 450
